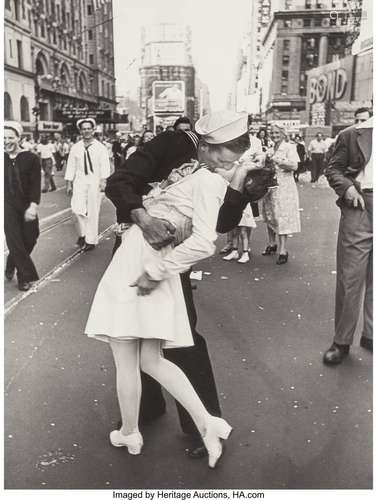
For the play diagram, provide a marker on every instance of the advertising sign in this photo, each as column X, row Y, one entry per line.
column 73, row 114
column 44, row 126
column 168, row 96
column 331, row 82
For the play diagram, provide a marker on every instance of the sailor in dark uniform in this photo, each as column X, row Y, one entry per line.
column 22, row 194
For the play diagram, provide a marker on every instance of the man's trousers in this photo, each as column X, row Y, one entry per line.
column 354, row 279
column 21, row 237
column 317, row 166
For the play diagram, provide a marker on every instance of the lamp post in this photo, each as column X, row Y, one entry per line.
column 36, row 109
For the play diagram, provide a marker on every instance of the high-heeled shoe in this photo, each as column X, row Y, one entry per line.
column 282, row 259
column 133, row 442
column 270, row 249
column 216, row 430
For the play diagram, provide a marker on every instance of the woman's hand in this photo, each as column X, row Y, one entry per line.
column 145, row 285
column 69, row 188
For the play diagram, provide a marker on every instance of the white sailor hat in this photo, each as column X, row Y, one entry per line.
column 222, row 126
column 88, row 120
column 16, row 126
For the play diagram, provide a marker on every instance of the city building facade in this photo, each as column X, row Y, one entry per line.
column 166, row 57
column 59, row 57
column 337, row 89
column 301, row 35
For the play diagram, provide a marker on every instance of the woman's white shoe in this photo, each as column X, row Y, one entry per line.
column 216, row 430
column 134, row 441
column 244, row 258
column 233, row 255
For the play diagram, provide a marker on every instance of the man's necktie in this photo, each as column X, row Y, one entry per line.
column 87, row 160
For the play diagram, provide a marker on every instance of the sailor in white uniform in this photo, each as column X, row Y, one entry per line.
column 88, row 167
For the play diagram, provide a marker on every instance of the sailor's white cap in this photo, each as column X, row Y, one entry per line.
column 16, row 126
column 88, row 120
column 222, row 126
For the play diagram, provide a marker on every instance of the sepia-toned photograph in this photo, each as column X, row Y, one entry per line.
column 188, row 248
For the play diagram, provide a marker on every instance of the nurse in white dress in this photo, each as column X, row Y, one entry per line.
column 88, row 167
column 139, row 319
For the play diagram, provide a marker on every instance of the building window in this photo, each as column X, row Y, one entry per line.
column 43, row 31
column 20, row 59
column 7, row 5
column 318, row 21
column 287, row 23
column 344, row 20
column 285, row 59
column 308, row 4
column 17, row 9
column 103, row 88
column 90, row 34
column 108, row 90
column 10, row 49
column 284, row 89
column 284, row 74
column 333, row 21
column 8, row 108
column 23, row 9
column 307, row 23
column 24, row 109
column 43, row 111
column 286, row 44
column 89, row 10
column 54, row 36
column 91, row 59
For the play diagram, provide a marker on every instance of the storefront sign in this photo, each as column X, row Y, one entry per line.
column 287, row 124
column 331, row 82
column 73, row 114
column 168, row 96
column 44, row 126
column 318, row 114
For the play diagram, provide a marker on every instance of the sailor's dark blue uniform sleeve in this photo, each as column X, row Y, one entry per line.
column 231, row 210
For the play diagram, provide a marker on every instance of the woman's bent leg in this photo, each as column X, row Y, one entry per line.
column 127, row 361
column 173, row 380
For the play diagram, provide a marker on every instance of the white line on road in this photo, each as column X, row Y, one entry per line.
column 11, row 304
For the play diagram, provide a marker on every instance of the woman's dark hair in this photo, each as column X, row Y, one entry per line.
column 238, row 145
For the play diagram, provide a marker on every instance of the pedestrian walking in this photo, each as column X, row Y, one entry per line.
column 88, row 167
column 280, row 206
column 350, row 174
column 316, row 151
column 224, row 140
column 117, row 151
column 22, row 194
column 301, row 151
column 46, row 152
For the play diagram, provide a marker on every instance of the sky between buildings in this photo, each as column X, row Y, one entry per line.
column 217, row 29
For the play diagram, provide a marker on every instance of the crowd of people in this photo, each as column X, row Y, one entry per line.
column 173, row 194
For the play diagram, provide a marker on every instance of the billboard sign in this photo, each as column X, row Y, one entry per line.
column 169, row 96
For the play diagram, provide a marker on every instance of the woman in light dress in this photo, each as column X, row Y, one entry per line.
column 280, row 206
column 138, row 325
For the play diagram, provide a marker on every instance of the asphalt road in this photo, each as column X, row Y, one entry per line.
column 297, row 423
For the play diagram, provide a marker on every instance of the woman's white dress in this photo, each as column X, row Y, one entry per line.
column 280, row 206
column 192, row 206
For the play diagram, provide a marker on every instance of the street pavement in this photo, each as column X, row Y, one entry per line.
column 298, row 424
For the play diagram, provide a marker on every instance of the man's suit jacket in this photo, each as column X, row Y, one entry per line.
column 352, row 152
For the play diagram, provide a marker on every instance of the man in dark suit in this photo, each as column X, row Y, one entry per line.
column 22, row 194
column 349, row 173
column 223, row 139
